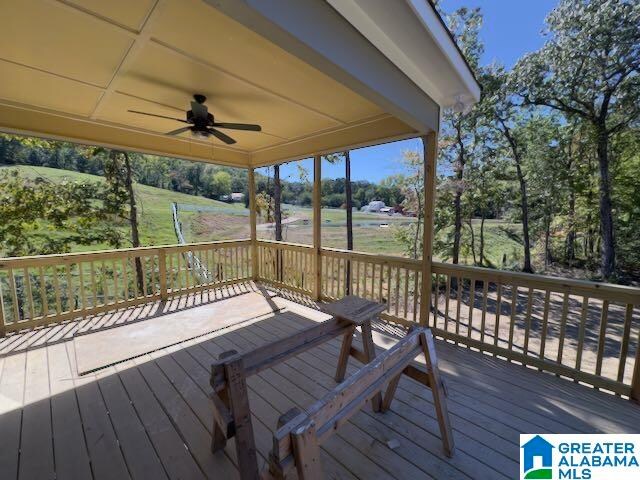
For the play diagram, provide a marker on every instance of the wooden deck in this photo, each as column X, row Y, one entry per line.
column 150, row 418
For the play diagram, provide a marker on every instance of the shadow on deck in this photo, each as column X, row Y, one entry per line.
column 150, row 417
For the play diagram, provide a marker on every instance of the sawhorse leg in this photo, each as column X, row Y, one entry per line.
column 235, row 397
column 438, row 391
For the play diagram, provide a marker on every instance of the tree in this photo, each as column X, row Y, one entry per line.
column 32, row 209
column 220, row 184
column 589, row 69
column 509, row 121
column 119, row 176
column 460, row 133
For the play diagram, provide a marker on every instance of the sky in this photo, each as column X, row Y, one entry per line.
column 511, row 28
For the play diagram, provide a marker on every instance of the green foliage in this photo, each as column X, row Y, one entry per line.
column 34, row 212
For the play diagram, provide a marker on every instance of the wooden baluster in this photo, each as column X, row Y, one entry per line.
column 105, row 292
column 116, row 289
column 472, row 301
column 604, row 316
column 94, row 288
column 527, row 328
column 381, row 281
column 27, row 285
column 56, row 288
column 171, row 278
column 416, row 292
column 581, row 331
column 179, row 270
column 624, row 347
column 13, row 293
column 635, row 379
column 389, row 288
column 514, row 309
column 496, row 333
column 125, row 278
column 545, row 323
column 397, row 299
column 446, row 303
column 563, row 326
column 406, row 293
column 143, row 263
column 459, row 287
column 69, row 287
column 83, row 295
column 43, row 293
column 483, row 320
column 3, row 322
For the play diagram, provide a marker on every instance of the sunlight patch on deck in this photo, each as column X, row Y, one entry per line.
column 98, row 350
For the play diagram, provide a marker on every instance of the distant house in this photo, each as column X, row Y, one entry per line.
column 234, row 197
column 374, row 206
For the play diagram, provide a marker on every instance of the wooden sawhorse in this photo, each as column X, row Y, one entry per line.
column 232, row 415
column 296, row 443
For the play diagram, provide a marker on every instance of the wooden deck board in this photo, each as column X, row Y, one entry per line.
column 151, row 417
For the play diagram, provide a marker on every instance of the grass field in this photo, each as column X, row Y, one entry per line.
column 375, row 233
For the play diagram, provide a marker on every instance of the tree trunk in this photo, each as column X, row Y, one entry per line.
column 570, row 255
column 608, row 265
column 524, row 201
column 482, row 238
column 133, row 220
column 473, row 242
column 277, row 192
column 349, row 206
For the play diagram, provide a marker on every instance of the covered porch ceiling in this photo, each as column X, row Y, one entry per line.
column 317, row 76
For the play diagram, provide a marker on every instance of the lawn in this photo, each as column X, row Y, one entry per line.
column 204, row 219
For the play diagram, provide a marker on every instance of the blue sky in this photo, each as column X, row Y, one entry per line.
column 511, row 28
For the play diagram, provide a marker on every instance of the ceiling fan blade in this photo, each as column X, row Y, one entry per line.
column 222, row 136
column 159, row 116
column 178, row 131
column 199, row 110
column 239, row 126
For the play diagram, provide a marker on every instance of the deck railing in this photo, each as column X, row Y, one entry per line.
column 48, row 289
column 589, row 332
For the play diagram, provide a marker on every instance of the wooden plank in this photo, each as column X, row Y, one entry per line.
column 545, row 323
column 472, row 301
column 563, row 327
column 142, row 460
column 267, row 355
column 307, row 452
column 356, row 390
column 12, row 383
column 345, row 353
column 106, row 457
column 36, row 442
column 624, row 347
column 178, row 461
column 239, row 403
column 193, row 432
column 71, row 454
column 581, row 332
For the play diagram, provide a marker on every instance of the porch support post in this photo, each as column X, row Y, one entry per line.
column 430, row 149
column 252, row 222
column 317, row 223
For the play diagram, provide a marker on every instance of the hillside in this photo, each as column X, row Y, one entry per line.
column 156, row 226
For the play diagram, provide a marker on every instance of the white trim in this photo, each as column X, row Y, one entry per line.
column 429, row 17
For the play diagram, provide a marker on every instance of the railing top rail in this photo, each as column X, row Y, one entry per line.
column 57, row 258
column 374, row 257
column 621, row 293
column 285, row 244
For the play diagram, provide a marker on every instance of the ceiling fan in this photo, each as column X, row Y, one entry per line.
column 202, row 123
